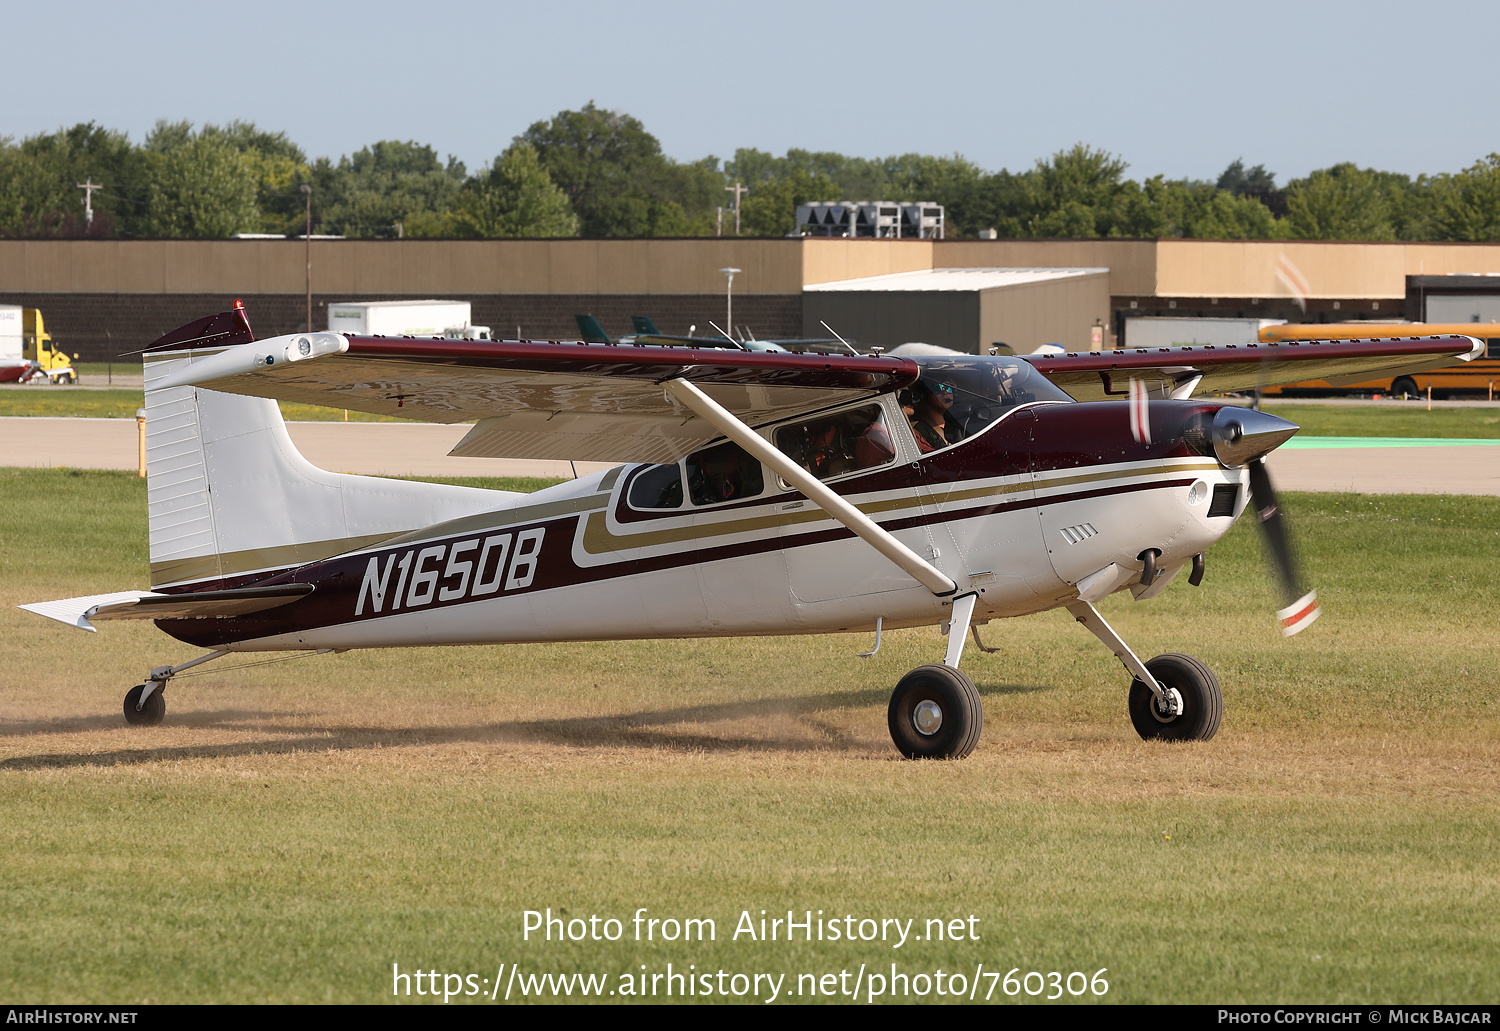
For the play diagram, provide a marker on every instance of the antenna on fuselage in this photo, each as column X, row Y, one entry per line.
column 840, row 339
column 723, row 334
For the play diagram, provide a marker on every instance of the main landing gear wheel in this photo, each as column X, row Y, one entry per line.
column 148, row 715
column 935, row 713
column 1200, row 702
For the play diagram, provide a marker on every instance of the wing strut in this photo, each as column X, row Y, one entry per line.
column 879, row 538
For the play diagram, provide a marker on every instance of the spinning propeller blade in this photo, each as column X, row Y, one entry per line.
column 1301, row 607
column 1243, row 437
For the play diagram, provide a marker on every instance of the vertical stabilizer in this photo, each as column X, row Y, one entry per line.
column 592, row 332
column 230, row 496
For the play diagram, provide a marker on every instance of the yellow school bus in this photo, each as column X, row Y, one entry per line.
column 1482, row 375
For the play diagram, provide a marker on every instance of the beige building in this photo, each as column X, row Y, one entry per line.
column 967, row 309
column 103, row 298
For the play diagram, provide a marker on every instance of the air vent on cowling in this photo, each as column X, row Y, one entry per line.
column 1081, row 532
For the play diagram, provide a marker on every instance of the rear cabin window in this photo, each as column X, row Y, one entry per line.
column 845, row 442
column 657, row 487
column 724, row 472
column 714, row 475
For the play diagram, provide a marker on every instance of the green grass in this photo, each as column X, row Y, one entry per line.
column 1411, row 419
column 123, row 367
column 293, row 830
column 66, row 402
column 520, row 484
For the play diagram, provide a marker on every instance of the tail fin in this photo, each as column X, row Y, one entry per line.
column 591, row 330
column 644, row 326
column 231, row 499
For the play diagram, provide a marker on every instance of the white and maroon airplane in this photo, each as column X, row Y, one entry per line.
column 763, row 493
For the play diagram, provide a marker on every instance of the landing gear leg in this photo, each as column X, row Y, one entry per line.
column 935, row 711
column 146, row 704
column 1173, row 697
column 958, row 628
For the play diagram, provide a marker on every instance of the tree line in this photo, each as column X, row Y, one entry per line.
column 599, row 173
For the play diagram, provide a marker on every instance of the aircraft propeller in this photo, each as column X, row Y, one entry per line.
column 1245, row 437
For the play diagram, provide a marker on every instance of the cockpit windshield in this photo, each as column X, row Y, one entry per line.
column 958, row 396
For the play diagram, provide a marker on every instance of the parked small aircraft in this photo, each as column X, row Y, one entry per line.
column 646, row 333
column 764, row 493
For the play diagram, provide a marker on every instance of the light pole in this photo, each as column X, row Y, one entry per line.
column 307, row 239
column 729, row 301
column 738, row 192
column 88, row 187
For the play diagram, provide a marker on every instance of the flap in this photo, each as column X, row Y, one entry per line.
column 585, row 437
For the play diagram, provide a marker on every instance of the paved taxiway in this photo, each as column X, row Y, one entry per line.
column 421, row 449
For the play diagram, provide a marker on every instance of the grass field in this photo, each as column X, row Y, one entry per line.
column 1412, row 420
column 293, row 830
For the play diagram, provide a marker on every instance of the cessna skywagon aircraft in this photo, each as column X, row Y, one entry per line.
column 763, row 493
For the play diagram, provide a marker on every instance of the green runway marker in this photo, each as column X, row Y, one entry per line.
column 1313, row 443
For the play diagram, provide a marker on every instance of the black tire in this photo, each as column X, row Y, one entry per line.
column 1202, row 701
column 150, row 714
column 1403, row 386
column 959, row 712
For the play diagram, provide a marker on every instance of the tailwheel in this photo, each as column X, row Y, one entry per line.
column 935, row 713
column 148, row 715
column 1196, row 707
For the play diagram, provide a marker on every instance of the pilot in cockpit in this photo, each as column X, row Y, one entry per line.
column 930, row 420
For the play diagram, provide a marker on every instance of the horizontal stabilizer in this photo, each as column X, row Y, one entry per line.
column 222, row 330
column 80, row 612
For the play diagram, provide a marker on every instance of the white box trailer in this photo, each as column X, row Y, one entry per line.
column 11, row 362
column 10, row 333
column 449, row 319
column 1154, row 331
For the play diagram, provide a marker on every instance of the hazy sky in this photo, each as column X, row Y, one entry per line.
column 1173, row 87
